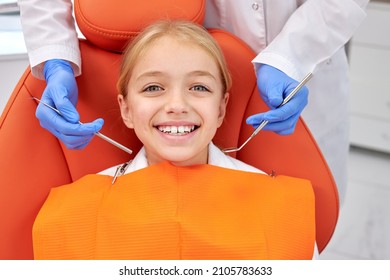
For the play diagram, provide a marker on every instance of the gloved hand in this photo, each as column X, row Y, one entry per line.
column 274, row 86
column 61, row 93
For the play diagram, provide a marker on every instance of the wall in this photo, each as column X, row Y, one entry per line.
column 13, row 56
column 370, row 80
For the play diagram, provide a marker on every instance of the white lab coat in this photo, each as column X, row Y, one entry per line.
column 296, row 37
column 215, row 157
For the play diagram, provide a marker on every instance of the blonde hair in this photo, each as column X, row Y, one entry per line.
column 182, row 30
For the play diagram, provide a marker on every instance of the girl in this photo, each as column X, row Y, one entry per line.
column 180, row 197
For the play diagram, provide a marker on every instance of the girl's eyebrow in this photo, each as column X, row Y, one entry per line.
column 202, row 73
column 192, row 73
column 149, row 74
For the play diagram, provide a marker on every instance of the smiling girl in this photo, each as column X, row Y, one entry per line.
column 180, row 197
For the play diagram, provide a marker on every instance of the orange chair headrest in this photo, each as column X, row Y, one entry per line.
column 110, row 24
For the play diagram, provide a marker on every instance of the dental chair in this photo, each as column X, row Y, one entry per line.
column 32, row 161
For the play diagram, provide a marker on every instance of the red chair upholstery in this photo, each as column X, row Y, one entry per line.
column 32, row 160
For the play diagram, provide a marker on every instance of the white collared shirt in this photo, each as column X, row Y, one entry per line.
column 215, row 157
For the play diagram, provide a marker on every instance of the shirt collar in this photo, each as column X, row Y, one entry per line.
column 216, row 158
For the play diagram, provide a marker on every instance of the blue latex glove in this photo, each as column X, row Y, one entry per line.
column 61, row 93
column 274, row 86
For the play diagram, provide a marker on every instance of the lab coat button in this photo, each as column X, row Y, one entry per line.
column 329, row 61
column 255, row 6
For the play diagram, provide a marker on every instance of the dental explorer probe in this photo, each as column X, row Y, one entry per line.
column 264, row 123
column 104, row 137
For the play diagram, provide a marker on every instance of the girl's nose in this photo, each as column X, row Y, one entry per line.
column 177, row 102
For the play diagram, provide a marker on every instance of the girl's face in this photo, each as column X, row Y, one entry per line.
column 175, row 102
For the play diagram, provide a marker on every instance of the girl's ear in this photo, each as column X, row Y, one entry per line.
column 125, row 111
column 222, row 108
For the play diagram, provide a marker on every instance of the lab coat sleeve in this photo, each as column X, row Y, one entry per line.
column 313, row 33
column 49, row 32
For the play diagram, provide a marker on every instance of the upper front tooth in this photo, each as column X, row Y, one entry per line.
column 177, row 129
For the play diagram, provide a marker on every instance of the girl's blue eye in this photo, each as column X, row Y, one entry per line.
column 200, row 88
column 153, row 88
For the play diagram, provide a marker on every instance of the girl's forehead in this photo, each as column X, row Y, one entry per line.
column 169, row 48
column 175, row 41
column 172, row 55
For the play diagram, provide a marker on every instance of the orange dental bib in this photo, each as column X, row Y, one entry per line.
column 169, row 212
